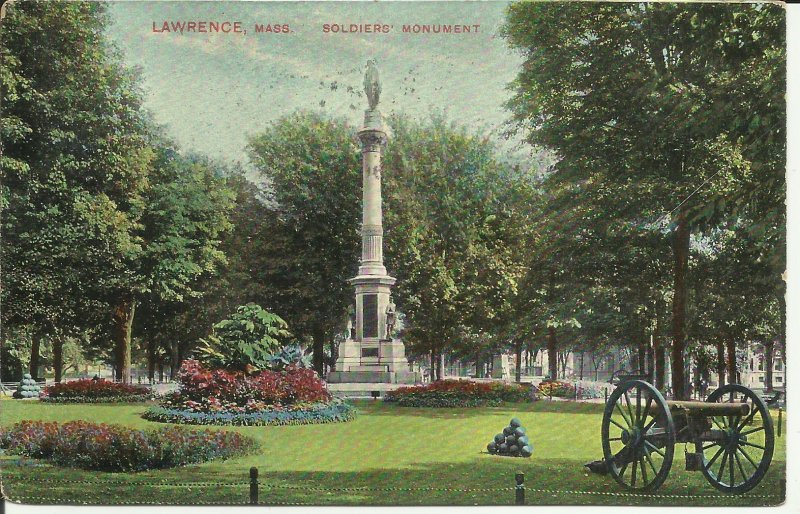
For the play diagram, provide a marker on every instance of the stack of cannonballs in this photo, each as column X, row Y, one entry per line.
column 512, row 442
column 28, row 388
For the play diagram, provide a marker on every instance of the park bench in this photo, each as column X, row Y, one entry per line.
column 772, row 398
column 621, row 376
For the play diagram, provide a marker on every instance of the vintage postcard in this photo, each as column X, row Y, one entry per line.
column 393, row 253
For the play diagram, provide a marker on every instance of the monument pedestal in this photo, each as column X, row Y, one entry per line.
column 373, row 361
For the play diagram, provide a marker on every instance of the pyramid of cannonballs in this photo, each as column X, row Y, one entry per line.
column 27, row 388
column 513, row 442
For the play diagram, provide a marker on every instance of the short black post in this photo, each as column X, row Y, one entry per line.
column 780, row 420
column 520, row 489
column 254, row 486
column 605, row 394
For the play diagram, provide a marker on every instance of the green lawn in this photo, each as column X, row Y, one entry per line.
column 388, row 456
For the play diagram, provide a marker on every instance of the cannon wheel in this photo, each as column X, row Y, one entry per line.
column 638, row 436
column 739, row 461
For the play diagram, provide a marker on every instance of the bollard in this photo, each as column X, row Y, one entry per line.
column 253, row 486
column 780, row 420
column 520, row 489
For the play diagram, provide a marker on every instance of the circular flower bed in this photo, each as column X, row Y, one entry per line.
column 293, row 396
column 104, row 447
column 94, row 391
column 459, row 393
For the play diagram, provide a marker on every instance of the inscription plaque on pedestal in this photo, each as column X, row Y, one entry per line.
column 369, row 352
column 370, row 315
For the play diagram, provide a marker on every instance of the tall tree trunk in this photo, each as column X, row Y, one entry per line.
column 641, row 350
column 580, row 373
column 174, row 360
column 680, row 250
column 518, row 351
column 649, row 357
column 318, row 352
column 58, row 358
column 439, row 365
column 732, row 360
column 123, row 325
column 334, row 353
column 769, row 352
column 33, row 367
column 181, row 351
column 633, row 360
column 720, row 362
column 660, row 358
column 160, row 371
column 151, row 360
column 562, row 363
column 552, row 353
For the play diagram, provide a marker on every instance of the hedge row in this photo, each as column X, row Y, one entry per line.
column 329, row 412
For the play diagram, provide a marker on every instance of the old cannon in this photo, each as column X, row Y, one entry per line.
column 730, row 435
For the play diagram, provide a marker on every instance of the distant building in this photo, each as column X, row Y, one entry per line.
column 753, row 372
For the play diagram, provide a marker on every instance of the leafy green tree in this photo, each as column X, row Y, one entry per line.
column 311, row 166
column 643, row 104
column 451, row 237
column 183, row 219
column 172, row 329
column 736, row 301
column 73, row 166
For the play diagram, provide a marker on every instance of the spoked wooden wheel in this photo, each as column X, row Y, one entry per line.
column 737, row 460
column 638, row 436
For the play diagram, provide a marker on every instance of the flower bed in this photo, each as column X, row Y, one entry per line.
column 94, row 391
column 459, row 393
column 327, row 412
column 292, row 396
column 557, row 389
column 104, row 447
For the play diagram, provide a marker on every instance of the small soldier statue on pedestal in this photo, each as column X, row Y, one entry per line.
column 390, row 319
column 351, row 322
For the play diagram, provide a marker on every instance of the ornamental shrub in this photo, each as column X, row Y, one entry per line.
column 459, row 393
column 249, row 338
column 94, row 391
column 103, row 447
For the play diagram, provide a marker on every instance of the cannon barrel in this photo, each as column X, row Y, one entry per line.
column 710, row 408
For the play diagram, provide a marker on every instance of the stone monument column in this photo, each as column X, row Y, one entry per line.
column 372, row 355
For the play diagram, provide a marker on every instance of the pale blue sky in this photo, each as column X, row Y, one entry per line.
column 213, row 90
